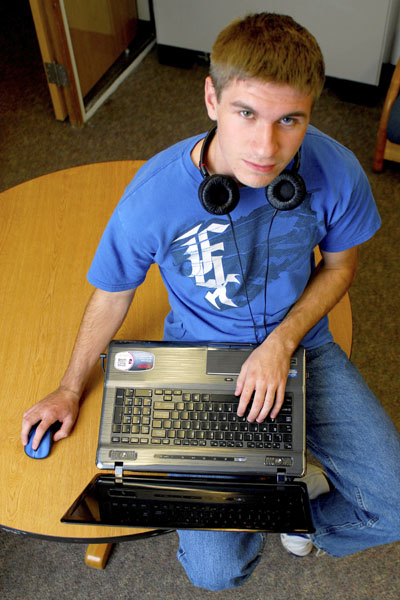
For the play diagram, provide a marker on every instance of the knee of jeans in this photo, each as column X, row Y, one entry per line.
column 215, row 580
column 221, row 563
column 202, row 577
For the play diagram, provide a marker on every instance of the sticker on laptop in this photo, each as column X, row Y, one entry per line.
column 134, row 361
column 292, row 373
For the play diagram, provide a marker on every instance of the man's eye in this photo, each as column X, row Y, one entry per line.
column 287, row 120
column 247, row 114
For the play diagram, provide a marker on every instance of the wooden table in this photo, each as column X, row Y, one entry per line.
column 50, row 228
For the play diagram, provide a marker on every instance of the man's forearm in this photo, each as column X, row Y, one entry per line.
column 326, row 287
column 103, row 317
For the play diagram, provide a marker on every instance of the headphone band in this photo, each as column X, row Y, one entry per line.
column 204, row 147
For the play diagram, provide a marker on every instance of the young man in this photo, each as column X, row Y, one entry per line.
column 249, row 276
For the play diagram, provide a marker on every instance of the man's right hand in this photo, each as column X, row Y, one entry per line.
column 62, row 405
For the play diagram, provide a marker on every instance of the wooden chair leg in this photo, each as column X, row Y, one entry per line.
column 97, row 555
column 377, row 164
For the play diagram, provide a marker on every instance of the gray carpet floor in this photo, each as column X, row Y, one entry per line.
column 155, row 107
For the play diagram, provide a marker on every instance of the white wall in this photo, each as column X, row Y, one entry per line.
column 395, row 55
column 355, row 36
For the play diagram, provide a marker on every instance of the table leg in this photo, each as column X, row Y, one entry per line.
column 97, row 555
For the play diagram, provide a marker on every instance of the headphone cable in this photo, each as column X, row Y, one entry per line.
column 243, row 279
column 267, row 272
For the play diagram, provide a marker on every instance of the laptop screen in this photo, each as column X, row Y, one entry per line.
column 192, row 502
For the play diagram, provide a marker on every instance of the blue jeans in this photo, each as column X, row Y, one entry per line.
column 350, row 433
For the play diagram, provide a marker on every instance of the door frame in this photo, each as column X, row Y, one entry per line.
column 55, row 44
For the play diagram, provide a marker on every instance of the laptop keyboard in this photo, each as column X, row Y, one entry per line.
column 189, row 418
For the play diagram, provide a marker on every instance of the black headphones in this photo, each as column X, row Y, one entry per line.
column 219, row 194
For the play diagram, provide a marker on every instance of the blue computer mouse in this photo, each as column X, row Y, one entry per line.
column 44, row 447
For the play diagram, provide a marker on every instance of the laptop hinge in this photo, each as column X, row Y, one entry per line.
column 281, row 476
column 118, row 471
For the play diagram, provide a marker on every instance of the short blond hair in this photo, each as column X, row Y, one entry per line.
column 271, row 48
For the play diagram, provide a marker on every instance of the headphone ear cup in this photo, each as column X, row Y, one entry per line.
column 287, row 191
column 219, row 194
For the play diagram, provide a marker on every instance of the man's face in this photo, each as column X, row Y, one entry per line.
column 260, row 128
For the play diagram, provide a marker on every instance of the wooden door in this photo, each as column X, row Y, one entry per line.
column 79, row 42
column 100, row 31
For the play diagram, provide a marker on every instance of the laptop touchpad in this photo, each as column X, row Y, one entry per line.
column 226, row 361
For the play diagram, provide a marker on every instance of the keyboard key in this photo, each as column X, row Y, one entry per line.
column 118, row 414
column 159, row 433
column 161, row 414
column 119, row 396
column 164, row 405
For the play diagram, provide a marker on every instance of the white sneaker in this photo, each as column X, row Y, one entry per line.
column 299, row 545
column 317, row 484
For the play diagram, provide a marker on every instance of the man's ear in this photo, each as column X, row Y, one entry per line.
column 210, row 97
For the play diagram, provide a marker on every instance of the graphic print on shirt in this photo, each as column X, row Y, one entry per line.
column 207, row 254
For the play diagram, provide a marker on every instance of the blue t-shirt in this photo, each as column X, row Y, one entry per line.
column 160, row 219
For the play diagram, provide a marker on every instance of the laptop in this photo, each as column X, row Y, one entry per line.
column 179, row 455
